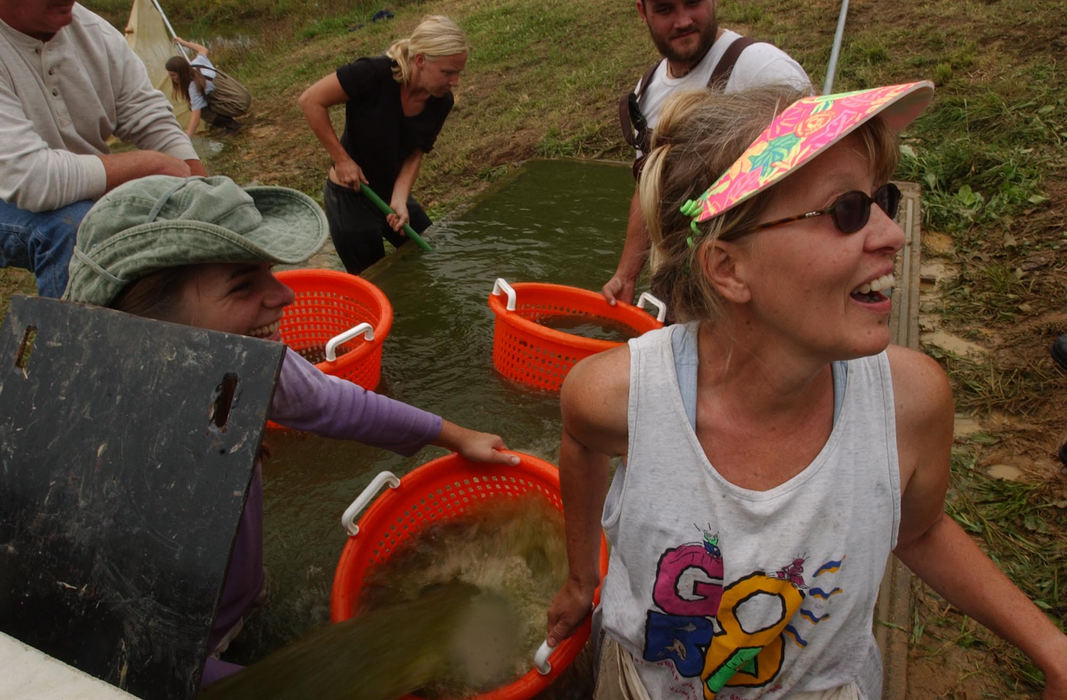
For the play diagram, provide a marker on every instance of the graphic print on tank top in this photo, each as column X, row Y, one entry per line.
column 733, row 633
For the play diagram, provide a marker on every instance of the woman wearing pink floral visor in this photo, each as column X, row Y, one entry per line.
column 776, row 448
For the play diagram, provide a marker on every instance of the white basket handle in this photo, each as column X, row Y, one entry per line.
column 646, row 296
column 358, row 329
column 348, row 520
column 541, row 658
column 502, row 286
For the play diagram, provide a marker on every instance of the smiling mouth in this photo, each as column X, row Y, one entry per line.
column 876, row 290
column 265, row 331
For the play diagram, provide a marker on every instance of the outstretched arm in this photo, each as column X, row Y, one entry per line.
column 593, row 402
column 474, row 445
column 933, row 546
column 202, row 50
column 194, row 122
column 316, row 102
column 632, row 260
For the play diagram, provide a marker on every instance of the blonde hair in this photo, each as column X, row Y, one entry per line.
column 699, row 135
column 434, row 37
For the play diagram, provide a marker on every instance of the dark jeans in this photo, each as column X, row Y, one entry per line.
column 358, row 228
column 41, row 242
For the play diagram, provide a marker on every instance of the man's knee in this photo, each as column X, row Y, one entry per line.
column 42, row 242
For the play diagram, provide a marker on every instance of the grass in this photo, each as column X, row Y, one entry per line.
column 1021, row 525
column 990, row 155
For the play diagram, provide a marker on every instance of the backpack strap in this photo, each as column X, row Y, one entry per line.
column 725, row 66
column 630, row 117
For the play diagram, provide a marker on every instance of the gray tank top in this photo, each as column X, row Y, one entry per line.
column 749, row 593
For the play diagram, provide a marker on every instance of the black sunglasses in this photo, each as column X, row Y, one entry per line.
column 852, row 210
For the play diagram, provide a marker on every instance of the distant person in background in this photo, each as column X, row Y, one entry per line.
column 395, row 105
column 697, row 53
column 69, row 82
column 193, row 81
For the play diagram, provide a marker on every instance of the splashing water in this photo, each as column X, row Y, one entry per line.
column 458, row 610
column 513, row 553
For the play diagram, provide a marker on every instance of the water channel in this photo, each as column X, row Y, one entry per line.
column 553, row 221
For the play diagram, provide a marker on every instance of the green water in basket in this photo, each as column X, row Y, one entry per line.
column 553, row 221
column 590, row 327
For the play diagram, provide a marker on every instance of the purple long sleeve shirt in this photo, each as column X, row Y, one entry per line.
column 308, row 400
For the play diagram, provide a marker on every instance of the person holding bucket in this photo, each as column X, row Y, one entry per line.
column 199, row 252
column 776, row 447
column 195, row 82
column 395, row 105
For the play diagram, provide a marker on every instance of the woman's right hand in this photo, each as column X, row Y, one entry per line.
column 569, row 609
column 347, row 174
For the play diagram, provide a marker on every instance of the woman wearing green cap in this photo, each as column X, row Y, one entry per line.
column 199, row 251
column 776, row 447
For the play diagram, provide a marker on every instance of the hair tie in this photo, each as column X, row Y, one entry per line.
column 691, row 208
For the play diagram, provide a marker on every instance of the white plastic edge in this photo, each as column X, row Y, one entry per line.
column 500, row 285
column 541, row 658
column 364, row 328
column 660, row 306
column 378, row 484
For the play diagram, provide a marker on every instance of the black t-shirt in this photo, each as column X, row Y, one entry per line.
column 377, row 135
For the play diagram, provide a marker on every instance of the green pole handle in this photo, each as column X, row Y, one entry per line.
column 386, row 209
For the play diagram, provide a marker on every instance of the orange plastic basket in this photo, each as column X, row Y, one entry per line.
column 440, row 489
column 341, row 315
column 534, row 355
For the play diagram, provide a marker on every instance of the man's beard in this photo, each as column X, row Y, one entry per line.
column 707, row 38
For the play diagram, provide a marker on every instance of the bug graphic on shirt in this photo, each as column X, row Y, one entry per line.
column 711, row 542
column 793, row 572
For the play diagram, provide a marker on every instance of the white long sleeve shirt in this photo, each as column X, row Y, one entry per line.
column 62, row 99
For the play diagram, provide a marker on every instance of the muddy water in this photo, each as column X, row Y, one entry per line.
column 512, row 554
column 601, row 329
column 559, row 222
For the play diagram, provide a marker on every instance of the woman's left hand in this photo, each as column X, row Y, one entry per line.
column 474, row 445
column 399, row 217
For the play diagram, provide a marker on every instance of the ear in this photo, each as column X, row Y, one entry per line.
column 420, row 60
column 641, row 10
column 722, row 262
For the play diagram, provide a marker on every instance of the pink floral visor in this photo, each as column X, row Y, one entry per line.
column 802, row 131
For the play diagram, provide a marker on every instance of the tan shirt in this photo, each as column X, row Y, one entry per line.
column 60, row 102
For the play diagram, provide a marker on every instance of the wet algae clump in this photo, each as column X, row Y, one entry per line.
column 457, row 610
column 381, row 655
column 512, row 551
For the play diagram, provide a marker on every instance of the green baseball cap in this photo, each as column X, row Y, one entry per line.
column 159, row 221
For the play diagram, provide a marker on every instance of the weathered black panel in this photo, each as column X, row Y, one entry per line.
column 122, row 478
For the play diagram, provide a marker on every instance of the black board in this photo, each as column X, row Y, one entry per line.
column 126, row 450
